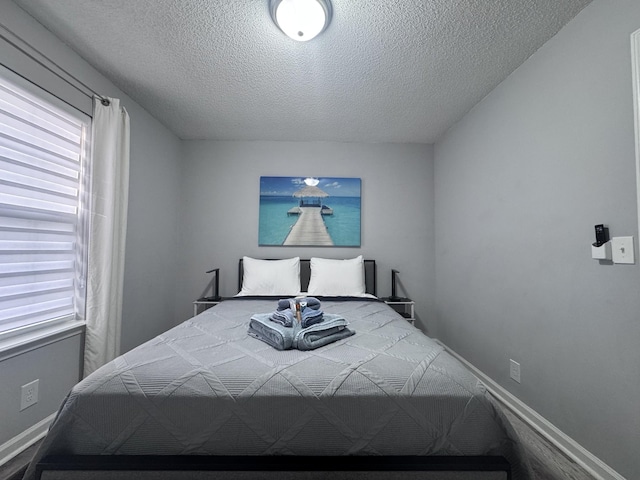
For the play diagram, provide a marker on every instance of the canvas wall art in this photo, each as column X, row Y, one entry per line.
column 309, row 211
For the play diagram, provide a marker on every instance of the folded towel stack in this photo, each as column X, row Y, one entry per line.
column 282, row 331
column 310, row 312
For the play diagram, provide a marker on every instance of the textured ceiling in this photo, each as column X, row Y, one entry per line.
column 384, row 71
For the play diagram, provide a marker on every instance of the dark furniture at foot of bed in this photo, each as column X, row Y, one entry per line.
column 358, row 467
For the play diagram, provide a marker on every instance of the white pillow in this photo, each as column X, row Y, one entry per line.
column 337, row 277
column 270, row 277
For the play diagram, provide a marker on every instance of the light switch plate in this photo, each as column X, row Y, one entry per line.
column 622, row 250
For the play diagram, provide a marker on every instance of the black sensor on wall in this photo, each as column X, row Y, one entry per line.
column 602, row 235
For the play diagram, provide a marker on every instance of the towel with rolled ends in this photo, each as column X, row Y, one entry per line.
column 284, row 317
column 310, row 302
column 311, row 317
column 334, row 328
column 288, row 309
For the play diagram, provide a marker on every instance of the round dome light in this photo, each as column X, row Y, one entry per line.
column 301, row 20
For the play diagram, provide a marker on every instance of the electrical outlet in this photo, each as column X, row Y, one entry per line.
column 29, row 394
column 514, row 370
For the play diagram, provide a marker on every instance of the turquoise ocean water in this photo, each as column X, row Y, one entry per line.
column 343, row 225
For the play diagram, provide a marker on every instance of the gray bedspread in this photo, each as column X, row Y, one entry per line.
column 205, row 387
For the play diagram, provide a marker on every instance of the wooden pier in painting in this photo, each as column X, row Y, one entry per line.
column 309, row 229
column 324, row 210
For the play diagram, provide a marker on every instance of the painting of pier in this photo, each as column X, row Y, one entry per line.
column 309, row 211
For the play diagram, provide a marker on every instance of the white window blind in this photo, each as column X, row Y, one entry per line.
column 42, row 150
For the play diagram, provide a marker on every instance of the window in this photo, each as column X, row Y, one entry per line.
column 43, row 237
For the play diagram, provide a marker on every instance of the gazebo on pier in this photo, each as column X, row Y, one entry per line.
column 310, row 196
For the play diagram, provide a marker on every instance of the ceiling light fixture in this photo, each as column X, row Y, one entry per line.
column 301, row 20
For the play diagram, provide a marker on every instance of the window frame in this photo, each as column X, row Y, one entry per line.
column 21, row 336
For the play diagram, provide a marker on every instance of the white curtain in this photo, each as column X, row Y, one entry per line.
column 108, row 226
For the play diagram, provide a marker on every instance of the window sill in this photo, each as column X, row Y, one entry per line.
column 12, row 345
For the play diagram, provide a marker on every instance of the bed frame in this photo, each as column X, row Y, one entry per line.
column 370, row 275
column 170, row 467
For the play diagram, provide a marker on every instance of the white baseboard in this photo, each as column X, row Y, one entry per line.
column 592, row 464
column 20, row 443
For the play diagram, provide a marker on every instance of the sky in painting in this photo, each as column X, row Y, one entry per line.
column 285, row 186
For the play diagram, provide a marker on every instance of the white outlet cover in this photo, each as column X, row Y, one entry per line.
column 514, row 370
column 29, row 394
column 622, row 250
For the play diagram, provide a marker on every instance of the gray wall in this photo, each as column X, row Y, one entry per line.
column 515, row 203
column 219, row 211
column 519, row 184
column 151, row 236
column 57, row 366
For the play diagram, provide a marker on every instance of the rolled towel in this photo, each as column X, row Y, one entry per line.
column 310, row 302
column 272, row 333
column 286, row 303
column 284, row 317
column 310, row 312
column 311, row 317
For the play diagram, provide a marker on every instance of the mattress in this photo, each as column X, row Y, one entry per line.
column 205, row 387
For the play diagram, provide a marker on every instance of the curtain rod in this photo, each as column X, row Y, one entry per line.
column 105, row 101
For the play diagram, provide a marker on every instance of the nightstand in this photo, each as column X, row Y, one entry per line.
column 206, row 302
column 404, row 306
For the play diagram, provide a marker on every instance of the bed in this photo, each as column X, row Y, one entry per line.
column 206, row 397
